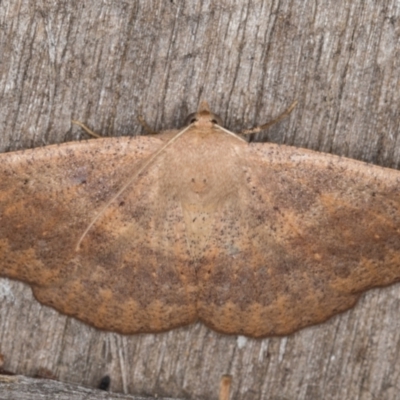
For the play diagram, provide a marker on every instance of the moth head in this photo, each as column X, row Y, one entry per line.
column 203, row 117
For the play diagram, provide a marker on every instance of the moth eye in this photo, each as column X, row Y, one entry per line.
column 214, row 121
column 190, row 119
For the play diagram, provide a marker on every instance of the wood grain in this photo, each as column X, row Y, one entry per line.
column 25, row 388
column 104, row 64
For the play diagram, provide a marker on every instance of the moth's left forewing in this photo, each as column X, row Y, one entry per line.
column 48, row 195
column 127, row 274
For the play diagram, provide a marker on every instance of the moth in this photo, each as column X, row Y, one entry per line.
column 148, row 233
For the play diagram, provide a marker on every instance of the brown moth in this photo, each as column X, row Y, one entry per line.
column 147, row 233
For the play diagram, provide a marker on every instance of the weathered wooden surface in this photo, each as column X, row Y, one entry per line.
column 105, row 62
column 25, row 388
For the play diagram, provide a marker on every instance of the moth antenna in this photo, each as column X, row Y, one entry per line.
column 146, row 126
column 260, row 128
column 235, row 135
column 86, row 129
column 149, row 161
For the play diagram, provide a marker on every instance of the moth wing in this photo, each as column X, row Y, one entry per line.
column 128, row 275
column 304, row 236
